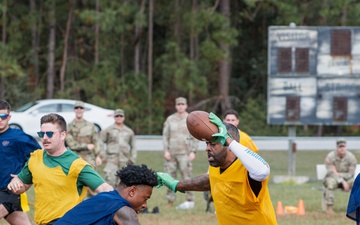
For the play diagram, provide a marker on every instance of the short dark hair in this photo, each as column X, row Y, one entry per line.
column 231, row 112
column 5, row 105
column 137, row 175
column 54, row 119
column 233, row 131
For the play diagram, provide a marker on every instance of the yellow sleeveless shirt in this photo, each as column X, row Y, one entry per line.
column 234, row 201
column 55, row 192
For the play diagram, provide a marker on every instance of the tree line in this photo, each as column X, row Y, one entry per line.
column 140, row 55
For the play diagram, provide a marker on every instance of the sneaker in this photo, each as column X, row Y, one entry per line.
column 186, row 205
column 156, row 210
column 146, row 210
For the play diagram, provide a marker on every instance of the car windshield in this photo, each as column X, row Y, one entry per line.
column 26, row 106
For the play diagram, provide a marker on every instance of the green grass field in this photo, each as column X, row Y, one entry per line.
column 288, row 194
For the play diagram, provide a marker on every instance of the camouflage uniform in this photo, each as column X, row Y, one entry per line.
column 120, row 150
column 346, row 167
column 178, row 141
column 79, row 135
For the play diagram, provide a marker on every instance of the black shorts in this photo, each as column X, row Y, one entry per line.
column 10, row 201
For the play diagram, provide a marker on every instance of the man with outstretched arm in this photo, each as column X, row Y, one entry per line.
column 237, row 178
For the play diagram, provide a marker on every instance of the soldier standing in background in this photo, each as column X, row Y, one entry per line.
column 120, row 147
column 83, row 138
column 179, row 150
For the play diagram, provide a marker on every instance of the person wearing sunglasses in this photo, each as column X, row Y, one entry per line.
column 120, row 147
column 60, row 177
column 15, row 149
column 83, row 138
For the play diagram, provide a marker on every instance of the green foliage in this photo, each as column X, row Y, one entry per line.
column 10, row 68
column 112, row 82
column 253, row 120
column 180, row 72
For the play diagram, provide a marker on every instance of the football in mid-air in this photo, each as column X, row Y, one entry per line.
column 200, row 127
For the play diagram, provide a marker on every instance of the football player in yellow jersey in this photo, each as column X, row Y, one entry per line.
column 231, row 116
column 238, row 178
column 60, row 177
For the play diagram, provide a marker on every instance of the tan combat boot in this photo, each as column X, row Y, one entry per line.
column 329, row 210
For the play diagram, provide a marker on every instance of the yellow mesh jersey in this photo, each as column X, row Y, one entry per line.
column 56, row 193
column 247, row 141
column 235, row 202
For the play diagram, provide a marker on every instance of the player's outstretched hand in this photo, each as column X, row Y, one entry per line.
column 221, row 136
column 167, row 180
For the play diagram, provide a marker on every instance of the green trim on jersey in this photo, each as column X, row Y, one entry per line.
column 87, row 177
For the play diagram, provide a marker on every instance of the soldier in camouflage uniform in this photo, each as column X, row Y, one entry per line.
column 341, row 166
column 179, row 150
column 120, row 147
column 82, row 137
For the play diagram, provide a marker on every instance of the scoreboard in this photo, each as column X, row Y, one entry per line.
column 313, row 75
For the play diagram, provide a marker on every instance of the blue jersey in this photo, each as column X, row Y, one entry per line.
column 353, row 208
column 97, row 210
column 15, row 149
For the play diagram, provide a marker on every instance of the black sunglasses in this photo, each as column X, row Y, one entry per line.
column 49, row 134
column 78, row 107
column 3, row 116
column 119, row 116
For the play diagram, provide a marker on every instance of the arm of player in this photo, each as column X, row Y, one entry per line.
column 200, row 183
column 17, row 186
column 126, row 216
column 104, row 187
column 257, row 167
column 167, row 180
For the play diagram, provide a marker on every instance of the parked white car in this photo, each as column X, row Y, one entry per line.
column 27, row 117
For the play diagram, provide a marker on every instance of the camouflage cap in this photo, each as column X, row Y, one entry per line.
column 79, row 104
column 180, row 100
column 341, row 142
column 119, row 112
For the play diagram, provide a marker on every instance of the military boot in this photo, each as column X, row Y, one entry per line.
column 329, row 210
